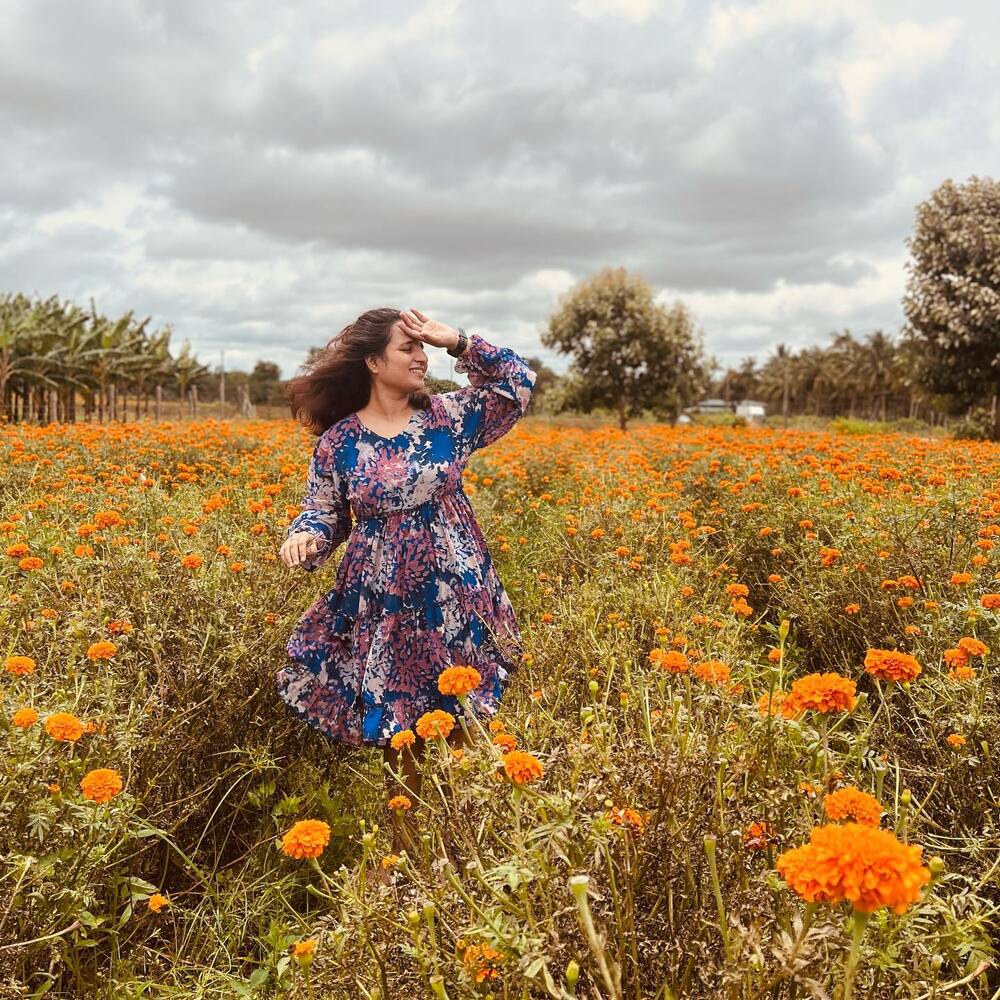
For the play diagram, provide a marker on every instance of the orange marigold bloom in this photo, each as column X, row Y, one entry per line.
column 304, row 948
column 712, row 671
column 774, row 654
column 403, row 739
column 892, row 665
column 959, row 579
column 157, row 901
column 961, row 672
column 19, row 665
column 101, row 785
column 191, row 561
column 400, row 802
column 828, row 556
column 737, row 589
column 956, row 657
column 859, row 805
column 459, row 680
column 821, row 692
column 757, row 836
column 674, row 662
column 435, row 724
column 64, row 726
column 522, row 767
column 24, row 718
column 990, row 601
column 627, row 817
column 851, row 609
column 770, row 703
column 866, row 866
column 973, row 646
column 506, row 742
column 306, row 839
column 102, row 650
column 956, row 740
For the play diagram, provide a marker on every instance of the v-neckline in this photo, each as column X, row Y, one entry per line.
column 365, row 427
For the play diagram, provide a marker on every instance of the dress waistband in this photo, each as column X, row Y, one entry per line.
column 405, row 510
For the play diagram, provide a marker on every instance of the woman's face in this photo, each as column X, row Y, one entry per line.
column 405, row 363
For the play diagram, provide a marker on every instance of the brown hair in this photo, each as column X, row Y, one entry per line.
column 337, row 382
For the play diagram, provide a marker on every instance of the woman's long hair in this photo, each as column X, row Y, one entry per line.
column 337, row 381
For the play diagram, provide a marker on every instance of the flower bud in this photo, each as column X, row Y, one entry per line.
column 906, row 797
column 572, row 972
column 936, row 865
column 592, row 687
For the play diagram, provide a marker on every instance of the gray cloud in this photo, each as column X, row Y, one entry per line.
column 257, row 175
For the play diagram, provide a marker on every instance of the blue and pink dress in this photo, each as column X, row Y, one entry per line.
column 416, row 590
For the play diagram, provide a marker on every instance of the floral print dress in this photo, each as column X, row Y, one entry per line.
column 416, row 590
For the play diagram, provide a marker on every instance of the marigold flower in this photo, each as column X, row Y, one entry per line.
column 862, row 807
column 459, row 680
column 892, row 665
column 24, row 718
column 390, row 861
column 769, row 703
column 522, row 767
column 972, row 646
column 302, row 951
column 821, row 692
column 102, row 650
column 712, row 671
column 757, row 836
column 851, row 609
column 401, row 802
column 64, row 726
column 774, row 655
column 101, row 785
column 828, row 556
column 627, row 817
column 192, row 561
column 960, row 579
column 866, row 866
column 19, row 665
column 432, row 725
column 506, row 742
column 674, row 662
column 306, row 839
column 955, row 657
column 961, row 672
column 482, row 959
column 956, row 740
column 403, row 739
column 737, row 590
column 990, row 601
column 157, row 901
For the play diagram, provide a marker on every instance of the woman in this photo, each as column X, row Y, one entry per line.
column 416, row 590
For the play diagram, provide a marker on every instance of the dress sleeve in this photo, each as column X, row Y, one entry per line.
column 325, row 508
column 501, row 389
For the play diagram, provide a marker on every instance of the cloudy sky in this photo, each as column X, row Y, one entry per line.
column 258, row 174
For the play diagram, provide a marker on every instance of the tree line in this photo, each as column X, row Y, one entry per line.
column 628, row 354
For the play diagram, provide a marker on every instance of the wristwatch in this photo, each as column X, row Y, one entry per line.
column 463, row 343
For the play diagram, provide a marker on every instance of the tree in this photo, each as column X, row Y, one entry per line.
column 265, row 382
column 628, row 352
column 952, row 301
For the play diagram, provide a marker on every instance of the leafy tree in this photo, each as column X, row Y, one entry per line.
column 265, row 382
column 952, row 300
column 628, row 352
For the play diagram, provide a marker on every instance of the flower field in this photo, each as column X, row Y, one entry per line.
column 750, row 751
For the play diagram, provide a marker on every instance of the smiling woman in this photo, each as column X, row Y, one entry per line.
column 416, row 591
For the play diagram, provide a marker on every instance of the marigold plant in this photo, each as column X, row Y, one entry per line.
column 101, row 785
column 459, row 680
column 892, row 665
column 865, row 866
column 306, row 839
column 853, row 802
column 821, row 692
column 434, row 725
column 522, row 767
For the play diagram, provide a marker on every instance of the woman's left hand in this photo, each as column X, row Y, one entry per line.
column 428, row 331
